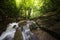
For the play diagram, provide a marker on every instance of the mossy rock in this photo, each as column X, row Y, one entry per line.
column 18, row 35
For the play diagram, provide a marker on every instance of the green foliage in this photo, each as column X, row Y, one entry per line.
column 29, row 8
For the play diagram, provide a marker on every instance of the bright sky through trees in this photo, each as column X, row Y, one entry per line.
column 30, row 4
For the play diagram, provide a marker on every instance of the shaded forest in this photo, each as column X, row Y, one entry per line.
column 46, row 13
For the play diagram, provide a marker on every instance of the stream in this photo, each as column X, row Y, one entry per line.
column 11, row 29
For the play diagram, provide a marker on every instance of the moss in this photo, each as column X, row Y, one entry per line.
column 18, row 35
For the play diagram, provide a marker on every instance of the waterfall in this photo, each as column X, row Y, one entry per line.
column 26, row 33
column 10, row 31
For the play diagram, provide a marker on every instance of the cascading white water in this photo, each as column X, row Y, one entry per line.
column 10, row 31
column 26, row 33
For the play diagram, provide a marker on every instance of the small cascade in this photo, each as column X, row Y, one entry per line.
column 26, row 33
column 10, row 31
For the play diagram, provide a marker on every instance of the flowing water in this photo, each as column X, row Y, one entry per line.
column 26, row 33
column 11, row 29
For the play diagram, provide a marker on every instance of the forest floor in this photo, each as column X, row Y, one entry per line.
column 42, row 35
